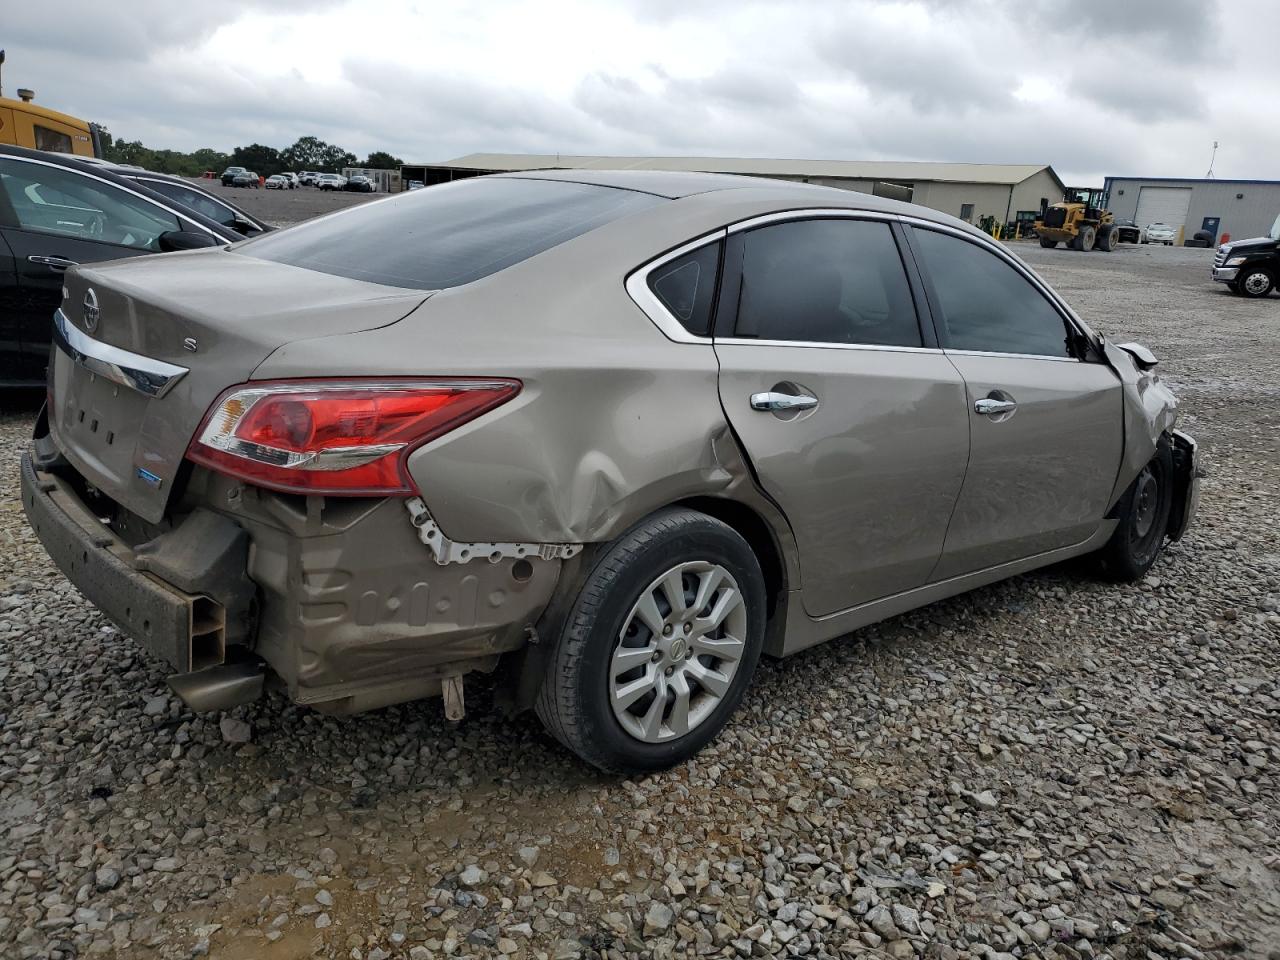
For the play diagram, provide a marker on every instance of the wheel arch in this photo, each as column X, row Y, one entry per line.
column 520, row 670
column 765, row 544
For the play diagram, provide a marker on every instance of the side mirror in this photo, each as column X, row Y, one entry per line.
column 175, row 240
column 1143, row 357
column 241, row 225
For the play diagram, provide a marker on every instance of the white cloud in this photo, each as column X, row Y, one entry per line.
column 1094, row 87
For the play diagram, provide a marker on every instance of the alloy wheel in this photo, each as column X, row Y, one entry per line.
column 678, row 651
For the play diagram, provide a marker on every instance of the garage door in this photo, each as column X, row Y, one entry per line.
column 1163, row 205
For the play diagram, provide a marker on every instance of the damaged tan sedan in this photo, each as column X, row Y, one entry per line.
column 610, row 435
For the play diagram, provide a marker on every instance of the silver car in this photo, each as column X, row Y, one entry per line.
column 610, row 436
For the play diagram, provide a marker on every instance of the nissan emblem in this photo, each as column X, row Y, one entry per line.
column 92, row 313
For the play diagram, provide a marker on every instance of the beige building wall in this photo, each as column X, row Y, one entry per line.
column 988, row 199
column 1027, row 194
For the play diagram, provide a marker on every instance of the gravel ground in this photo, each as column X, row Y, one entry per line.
column 280, row 208
column 1051, row 767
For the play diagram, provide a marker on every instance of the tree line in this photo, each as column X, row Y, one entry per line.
column 307, row 153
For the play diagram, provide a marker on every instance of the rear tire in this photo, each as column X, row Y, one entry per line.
column 1107, row 239
column 1144, row 520
column 1255, row 282
column 1084, row 239
column 634, row 649
column 1047, row 243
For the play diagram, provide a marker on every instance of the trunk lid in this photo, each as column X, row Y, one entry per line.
column 215, row 313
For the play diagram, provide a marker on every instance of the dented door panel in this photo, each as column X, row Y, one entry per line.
column 1039, row 478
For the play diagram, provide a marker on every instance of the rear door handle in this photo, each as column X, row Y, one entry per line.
column 989, row 407
column 57, row 264
column 773, row 401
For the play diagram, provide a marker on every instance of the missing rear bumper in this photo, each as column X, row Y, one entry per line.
column 186, row 630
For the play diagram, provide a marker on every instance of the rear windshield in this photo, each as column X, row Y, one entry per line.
column 450, row 234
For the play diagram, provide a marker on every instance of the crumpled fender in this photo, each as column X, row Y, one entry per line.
column 1150, row 409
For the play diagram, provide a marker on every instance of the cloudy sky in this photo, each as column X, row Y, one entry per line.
column 1094, row 87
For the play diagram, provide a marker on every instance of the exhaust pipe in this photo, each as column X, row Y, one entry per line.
column 222, row 687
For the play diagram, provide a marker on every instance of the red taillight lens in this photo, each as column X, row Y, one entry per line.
column 336, row 437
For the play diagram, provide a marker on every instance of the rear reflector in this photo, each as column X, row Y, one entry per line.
column 336, row 437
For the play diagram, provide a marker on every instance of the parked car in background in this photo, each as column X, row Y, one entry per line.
column 416, row 184
column 331, row 181
column 277, row 181
column 246, row 178
column 192, row 197
column 308, row 178
column 57, row 212
column 1129, row 232
column 525, row 493
column 1250, row 268
column 1160, row 233
column 292, row 178
column 229, row 175
column 361, row 184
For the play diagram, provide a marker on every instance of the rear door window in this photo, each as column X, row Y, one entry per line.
column 51, row 199
column 450, row 234
column 194, row 200
column 986, row 304
column 826, row 281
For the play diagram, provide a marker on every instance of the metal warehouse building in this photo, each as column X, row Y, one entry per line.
column 970, row 191
column 1242, row 208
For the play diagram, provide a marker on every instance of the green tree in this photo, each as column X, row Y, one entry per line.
column 262, row 160
column 305, row 154
column 206, row 158
column 131, row 151
column 381, row 160
column 312, row 153
column 334, row 158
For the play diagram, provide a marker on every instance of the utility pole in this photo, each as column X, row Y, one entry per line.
column 1209, row 175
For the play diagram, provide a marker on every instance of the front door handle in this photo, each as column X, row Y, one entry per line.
column 990, row 407
column 56, row 264
column 772, row 401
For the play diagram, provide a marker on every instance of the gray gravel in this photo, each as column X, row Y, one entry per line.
column 1050, row 767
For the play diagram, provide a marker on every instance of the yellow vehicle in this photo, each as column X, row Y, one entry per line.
column 1081, row 220
column 25, row 124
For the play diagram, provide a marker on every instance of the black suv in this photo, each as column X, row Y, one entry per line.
column 1250, row 268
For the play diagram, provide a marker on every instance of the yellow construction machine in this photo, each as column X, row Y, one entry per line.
column 1081, row 221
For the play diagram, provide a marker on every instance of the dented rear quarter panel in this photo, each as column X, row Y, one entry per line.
column 614, row 420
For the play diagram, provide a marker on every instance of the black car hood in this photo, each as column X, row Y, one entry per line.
column 1256, row 245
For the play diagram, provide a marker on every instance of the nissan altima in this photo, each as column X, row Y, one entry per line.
column 611, row 436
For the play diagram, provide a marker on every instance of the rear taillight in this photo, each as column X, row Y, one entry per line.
column 336, row 437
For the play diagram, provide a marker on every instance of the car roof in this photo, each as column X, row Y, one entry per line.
column 729, row 189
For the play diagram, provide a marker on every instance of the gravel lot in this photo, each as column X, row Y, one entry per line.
column 1051, row 767
column 280, row 208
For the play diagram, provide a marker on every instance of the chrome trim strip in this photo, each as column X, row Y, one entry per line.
column 1013, row 356
column 637, row 285
column 111, row 183
column 152, row 378
column 879, row 348
column 813, row 213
